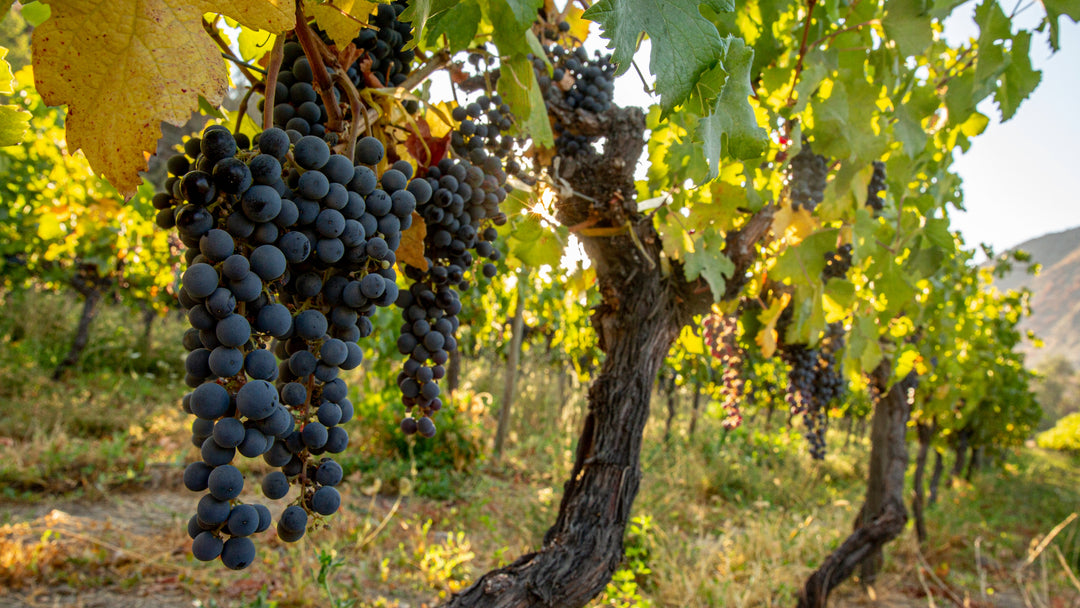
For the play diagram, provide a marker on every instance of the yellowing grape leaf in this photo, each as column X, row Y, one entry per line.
column 254, row 45
column 340, row 19
column 767, row 338
column 411, row 249
column 123, row 67
column 13, row 121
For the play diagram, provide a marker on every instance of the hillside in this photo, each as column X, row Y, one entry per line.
column 1055, row 300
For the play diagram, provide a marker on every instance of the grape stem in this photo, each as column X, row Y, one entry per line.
column 315, row 56
column 356, row 108
column 243, row 110
column 242, row 63
column 277, row 55
column 227, row 52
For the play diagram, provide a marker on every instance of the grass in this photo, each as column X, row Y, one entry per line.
column 90, row 468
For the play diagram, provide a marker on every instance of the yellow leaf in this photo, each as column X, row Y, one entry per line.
column 794, row 225
column 340, row 19
column 766, row 339
column 254, row 44
column 691, row 342
column 123, row 67
column 579, row 26
column 49, row 227
column 411, row 249
column 438, row 119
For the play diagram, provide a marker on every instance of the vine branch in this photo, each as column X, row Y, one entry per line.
column 277, row 55
column 317, row 57
column 434, row 63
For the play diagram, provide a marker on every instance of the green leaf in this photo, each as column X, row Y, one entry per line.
column 7, row 79
column 13, row 121
column 1019, row 79
column 459, row 24
column 732, row 128
column 804, row 262
column 707, row 262
column 908, row 22
column 205, row 107
column 35, row 13
column 1054, row 10
column 420, row 12
column 518, row 86
column 685, row 45
column 908, row 131
column 510, row 19
column 13, row 125
column 545, row 250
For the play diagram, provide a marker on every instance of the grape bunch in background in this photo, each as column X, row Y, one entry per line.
column 721, row 335
column 876, row 187
column 815, row 380
column 290, row 252
column 809, row 174
column 837, row 263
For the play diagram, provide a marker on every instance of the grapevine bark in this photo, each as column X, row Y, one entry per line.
column 640, row 316
column 925, row 433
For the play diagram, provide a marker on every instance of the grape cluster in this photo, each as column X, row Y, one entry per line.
column 553, row 31
column 593, row 77
column 297, row 103
column 480, row 134
column 876, row 187
column 809, row 173
column 814, row 381
column 582, row 82
column 464, row 198
column 290, row 250
column 721, row 333
column 837, row 263
column 385, row 45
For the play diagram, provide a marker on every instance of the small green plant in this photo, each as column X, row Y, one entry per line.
column 631, row 578
column 328, row 562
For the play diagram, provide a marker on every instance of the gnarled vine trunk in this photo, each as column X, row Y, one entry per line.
column 935, row 478
column 91, row 290
column 637, row 322
column 925, row 433
column 695, row 408
column 883, row 514
column 640, row 315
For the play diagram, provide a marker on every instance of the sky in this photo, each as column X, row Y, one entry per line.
column 1022, row 177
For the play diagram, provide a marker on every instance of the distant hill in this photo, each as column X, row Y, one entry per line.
column 1055, row 294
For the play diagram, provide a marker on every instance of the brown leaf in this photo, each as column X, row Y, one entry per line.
column 435, row 149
